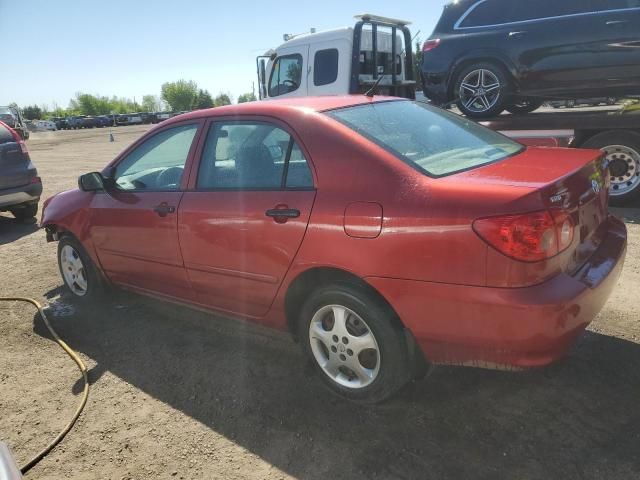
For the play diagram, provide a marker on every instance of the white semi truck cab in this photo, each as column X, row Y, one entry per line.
column 341, row 61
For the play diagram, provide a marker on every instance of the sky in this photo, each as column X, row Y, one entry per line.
column 129, row 48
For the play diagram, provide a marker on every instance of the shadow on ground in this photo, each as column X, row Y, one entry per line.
column 12, row 229
column 578, row 419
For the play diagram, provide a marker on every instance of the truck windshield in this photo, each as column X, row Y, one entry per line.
column 433, row 141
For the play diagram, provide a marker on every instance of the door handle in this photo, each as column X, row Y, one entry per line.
column 282, row 213
column 164, row 209
column 612, row 23
column 517, row 34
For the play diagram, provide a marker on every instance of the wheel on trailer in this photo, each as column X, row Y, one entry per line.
column 622, row 151
column 526, row 105
column 482, row 90
column 355, row 346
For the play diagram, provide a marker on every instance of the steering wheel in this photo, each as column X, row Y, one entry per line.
column 169, row 177
column 290, row 83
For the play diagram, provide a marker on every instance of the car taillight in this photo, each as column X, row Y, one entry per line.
column 35, row 180
column 16, row 136
column 528, row 237
column 430, row 44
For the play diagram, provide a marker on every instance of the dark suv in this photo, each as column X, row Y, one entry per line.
column 491, row 55
column 20, row 186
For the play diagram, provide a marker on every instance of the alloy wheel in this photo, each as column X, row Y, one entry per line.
column 624, row 169
column 344, row 346
column 479, row 90
column 73, row 270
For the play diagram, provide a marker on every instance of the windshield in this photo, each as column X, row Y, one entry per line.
column 431, row 140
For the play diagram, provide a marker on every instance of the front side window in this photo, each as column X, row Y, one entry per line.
column 286, row 75
column 429, row 139
column 158, row 163
column 498, row 12
column 325, row 67
column 251, row 155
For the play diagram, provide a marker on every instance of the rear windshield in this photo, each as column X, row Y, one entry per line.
column 429, row 139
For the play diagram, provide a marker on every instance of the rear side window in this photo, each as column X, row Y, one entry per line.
column 286, row 75
column 429, row 139
column 488, row 12
column 497, row 12
column 253, row 156
column 325, row 67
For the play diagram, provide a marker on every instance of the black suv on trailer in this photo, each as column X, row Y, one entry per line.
column 492, row 55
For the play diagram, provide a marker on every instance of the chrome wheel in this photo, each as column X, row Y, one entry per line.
column 624, row 168
column 344, row 346
column 73, row 270
column 479, row 90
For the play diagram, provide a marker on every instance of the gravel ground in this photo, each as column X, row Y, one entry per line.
column 180, row 394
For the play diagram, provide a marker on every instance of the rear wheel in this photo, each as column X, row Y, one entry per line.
column 482, row 90
column 25, row 212
column 622, row 150
column 353, row 343
column 524, row 106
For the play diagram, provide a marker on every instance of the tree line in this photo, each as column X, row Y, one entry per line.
column 178, row 96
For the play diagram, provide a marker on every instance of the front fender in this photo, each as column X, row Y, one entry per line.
column 69, row 212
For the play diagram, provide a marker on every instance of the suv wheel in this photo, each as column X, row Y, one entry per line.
column 25, row 212
column 352, row 343
column 524, row 106
column 481, row 90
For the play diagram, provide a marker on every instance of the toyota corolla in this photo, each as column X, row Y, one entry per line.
column 382, row 233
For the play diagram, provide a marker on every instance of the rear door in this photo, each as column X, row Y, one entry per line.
column 553, row 44
column 243, row 220
column 288, row 73
column 134, row 226
column 617, row 28
column 14, row 164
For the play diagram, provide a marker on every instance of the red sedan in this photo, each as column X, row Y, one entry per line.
column 382, row 233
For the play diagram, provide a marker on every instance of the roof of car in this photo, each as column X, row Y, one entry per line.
column 314, row 104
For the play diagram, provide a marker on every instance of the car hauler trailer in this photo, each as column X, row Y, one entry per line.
column 342, row 61
column 616, row 132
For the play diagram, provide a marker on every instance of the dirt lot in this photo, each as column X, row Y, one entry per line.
column 178, row 394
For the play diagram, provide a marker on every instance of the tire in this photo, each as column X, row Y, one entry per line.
column 570, row 104
column 367, row 324
column 87, row 286
column 622, row 149
column 483, row 76
column 25, row 212
column 524, row 106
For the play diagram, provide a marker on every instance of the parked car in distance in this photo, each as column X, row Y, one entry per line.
column 591, row 102
column 134, row 119
column 492, row 55
column 45, row 125
column 102, row 121
column 74, row 122
column 61, row 123
column 162, row 116
column 439, row 240
column 20, row 186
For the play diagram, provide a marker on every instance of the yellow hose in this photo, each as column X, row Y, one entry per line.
column 85, row 394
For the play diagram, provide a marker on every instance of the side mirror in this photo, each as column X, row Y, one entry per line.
column 91, row 182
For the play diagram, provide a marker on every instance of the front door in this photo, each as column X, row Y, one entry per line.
column 241, row 226
column 134, row 224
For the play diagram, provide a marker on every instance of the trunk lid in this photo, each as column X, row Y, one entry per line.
column 572, row 180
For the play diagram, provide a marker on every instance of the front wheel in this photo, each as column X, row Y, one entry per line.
column 80, row 275
column 622, row 151
column 353, row 343
column 524, row 106
column 482, row 90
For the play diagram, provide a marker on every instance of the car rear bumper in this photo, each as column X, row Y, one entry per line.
column 508, row 328
column 18, row 195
